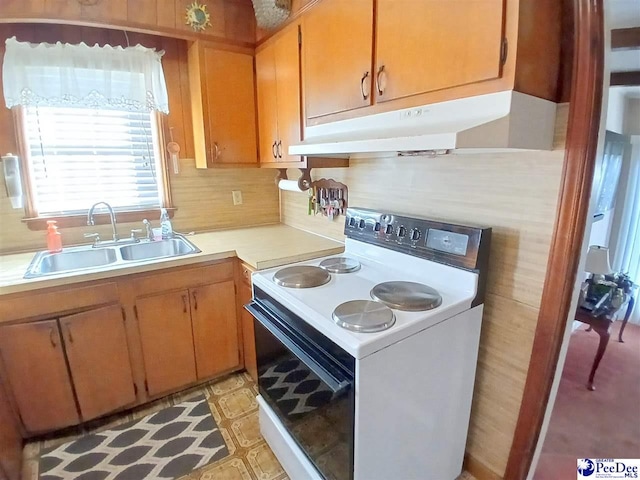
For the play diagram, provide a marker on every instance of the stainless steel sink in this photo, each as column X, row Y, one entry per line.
column 165, row 248
column 88, row 257
column 77, row 258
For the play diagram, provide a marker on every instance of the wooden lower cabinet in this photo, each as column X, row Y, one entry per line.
column 51, row 393
column 188, row 335
column 98, row 354
column 10, row 441
column 164, row 321
column 215, row 328
column 36, row 372
column 248, row 335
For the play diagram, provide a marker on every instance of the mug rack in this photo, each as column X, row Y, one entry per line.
column 328, row 197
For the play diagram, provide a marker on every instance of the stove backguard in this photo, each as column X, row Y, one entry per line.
column 461, row 246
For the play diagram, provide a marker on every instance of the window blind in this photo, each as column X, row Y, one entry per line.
column 82, row 156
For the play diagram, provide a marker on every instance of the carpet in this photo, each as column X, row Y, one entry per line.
column 599, row 424
column 164, row 445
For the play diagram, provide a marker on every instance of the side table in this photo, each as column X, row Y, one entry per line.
column 602, row 326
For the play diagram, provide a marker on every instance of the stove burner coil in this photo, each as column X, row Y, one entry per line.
column 406, row 296
column 301, row 277
column 340, row 265
column 364, row 316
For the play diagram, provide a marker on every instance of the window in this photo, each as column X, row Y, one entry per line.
column 80, row 156
column 88, row 122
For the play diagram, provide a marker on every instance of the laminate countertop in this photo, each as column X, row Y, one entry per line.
column 260, row 247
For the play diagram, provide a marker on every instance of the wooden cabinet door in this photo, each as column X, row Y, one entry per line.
column 37, row 375
column 231, row 107
column 337, row 41
column 287, row 65
column 248, row 334
column 215, row 328
column 98, row 354
column 430, row 45
column 267, row 103
column 10, row 440
column 166, row 336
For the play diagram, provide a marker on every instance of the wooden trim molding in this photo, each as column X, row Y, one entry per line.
column 625, row 38
column 564, row 256
column 631, row 78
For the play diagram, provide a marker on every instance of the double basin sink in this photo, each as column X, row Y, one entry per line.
column 89, row 257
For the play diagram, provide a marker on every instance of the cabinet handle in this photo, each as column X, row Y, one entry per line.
column 184, row 304
column 215, row 151
column 365, row 92
column 279, row 149
column 195, row 301
column 273, row 149
column 69, row 333
column 52, row 337
column 381, row 80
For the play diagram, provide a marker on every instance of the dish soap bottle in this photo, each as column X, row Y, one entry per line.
column 165, row 224
column 54, row 238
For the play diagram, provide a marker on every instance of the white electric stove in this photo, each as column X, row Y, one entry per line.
column 368, row 374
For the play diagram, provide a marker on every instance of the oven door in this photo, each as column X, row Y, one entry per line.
column 308, row 389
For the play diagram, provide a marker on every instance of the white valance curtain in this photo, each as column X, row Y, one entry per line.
column 65, row 75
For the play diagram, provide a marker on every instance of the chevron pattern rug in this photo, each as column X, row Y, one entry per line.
column 164, row 445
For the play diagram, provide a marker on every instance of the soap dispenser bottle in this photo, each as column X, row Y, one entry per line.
column 54, row 238
column 165, row 224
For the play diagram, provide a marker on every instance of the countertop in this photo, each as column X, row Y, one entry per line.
column 260, row 247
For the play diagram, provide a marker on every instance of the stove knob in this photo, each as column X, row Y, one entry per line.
column 376, row 227
column 388, row 230
column 402, row 231
column 415, row 234
column 352, row 222
column 361, row 224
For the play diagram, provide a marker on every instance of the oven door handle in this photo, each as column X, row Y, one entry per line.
column 337, row 385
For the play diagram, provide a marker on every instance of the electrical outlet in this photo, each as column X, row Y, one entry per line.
column 237, row 197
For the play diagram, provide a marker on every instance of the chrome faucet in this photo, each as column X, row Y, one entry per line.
column 149, row 230
column 111, row 214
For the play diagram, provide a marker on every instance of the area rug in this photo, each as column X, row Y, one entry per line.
column 164, row 445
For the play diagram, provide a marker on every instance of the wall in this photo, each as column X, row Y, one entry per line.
column 517, row 195
column 632, row 117
column 616, row 110
column 203, row 198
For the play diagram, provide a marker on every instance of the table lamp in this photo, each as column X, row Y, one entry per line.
column 598, row 262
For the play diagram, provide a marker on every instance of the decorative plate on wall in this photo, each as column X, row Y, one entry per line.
column 197, row 16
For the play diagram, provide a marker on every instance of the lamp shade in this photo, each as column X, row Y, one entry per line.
column 598, row 260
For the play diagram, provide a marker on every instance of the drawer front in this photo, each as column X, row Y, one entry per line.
column 56, row 301
column 180, row 278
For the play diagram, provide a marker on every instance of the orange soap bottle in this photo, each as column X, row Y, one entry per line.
column 54, row 238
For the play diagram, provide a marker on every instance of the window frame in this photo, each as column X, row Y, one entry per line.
column 34, row 221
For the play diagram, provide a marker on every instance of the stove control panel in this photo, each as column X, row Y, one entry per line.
column 457, row 245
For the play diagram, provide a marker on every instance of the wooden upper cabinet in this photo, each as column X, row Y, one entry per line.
column 215, row 328
column 164, row 322
column 287, row 61
column 222, row 107
column 278, row 87
column 267, row 104
column 33, row 358
column 96, row 346
column 337, row 44
column 430, row 45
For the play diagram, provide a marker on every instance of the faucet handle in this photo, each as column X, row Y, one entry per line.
column 133, row 233
column 93, row 235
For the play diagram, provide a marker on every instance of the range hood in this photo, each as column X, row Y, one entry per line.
column 500, row 121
